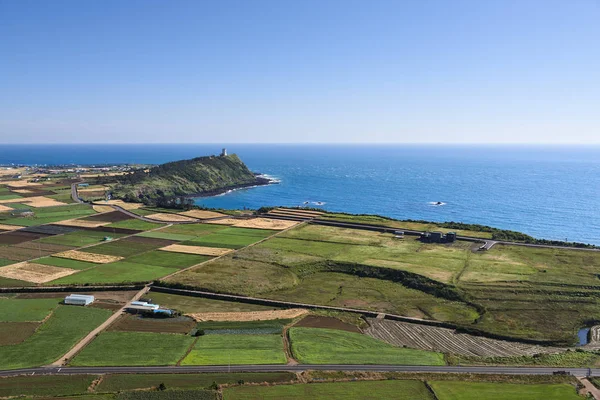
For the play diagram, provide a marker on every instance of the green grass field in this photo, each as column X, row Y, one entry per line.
column 274, row 325
column 45, row 385
column 328, row 346
column 168, row 259
column 9, row 196
column 66, row 326
column 117, row 272
column 22, row 310
column 194, row 229
column 223, row 240
column 114, row 383
column 195, row 394
column 65, row 263
column 5, row 261
column 236, row 350
column 373, row 390
column 188, row 304
column 135, row 224
column 454, row 390
column 134, row 348
column 122, row 248
column 79, row 238
column 533, row 293
column 165, row 235
column 47, row 215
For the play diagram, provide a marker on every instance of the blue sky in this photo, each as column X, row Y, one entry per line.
column 522, row 71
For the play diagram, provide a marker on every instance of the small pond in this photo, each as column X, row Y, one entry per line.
column 583, row 335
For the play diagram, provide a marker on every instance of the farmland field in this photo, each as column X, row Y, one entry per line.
column 236, row 349
column 168, row 259
column 188, row 304
column 532, row 293
column 66, row 326
column 114, row 383
column 134, row 323
column 368, row 390
column 129, row 246
column 193, row 229
column 12, row 333
column 129, row 348
column 117, row 272
column 196, row 394
column 47, row 215
column 21, row 310
column 65, row 262
column 328, row 346
column 135, row 224
column 455, row 390
column 79, row 238
column 47, row 385
column 165, row 235
column 223, row 240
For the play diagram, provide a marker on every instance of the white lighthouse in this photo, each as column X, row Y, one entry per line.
column 224, row 152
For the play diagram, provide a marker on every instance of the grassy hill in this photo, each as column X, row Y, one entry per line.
column 202, row 175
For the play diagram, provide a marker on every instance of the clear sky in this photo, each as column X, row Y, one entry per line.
column 204, row 71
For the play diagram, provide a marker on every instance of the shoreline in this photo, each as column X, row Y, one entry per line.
column 260, row 181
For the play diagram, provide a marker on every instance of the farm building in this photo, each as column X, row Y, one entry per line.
column 438, row 237
column 79, row 299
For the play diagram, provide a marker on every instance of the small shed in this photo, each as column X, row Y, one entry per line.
column 79, row 299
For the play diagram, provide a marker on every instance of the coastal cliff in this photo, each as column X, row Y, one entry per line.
column 200, row 176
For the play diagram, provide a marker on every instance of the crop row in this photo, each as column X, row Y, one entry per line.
column 448, row 341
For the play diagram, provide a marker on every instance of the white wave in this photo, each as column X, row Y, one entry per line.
column 436, row 203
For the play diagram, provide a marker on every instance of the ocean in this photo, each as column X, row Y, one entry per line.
column 548, row 192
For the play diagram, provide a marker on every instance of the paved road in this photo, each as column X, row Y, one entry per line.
column 74, row 194
column 303, row 367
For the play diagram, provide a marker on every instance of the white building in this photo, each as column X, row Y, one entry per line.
column 79, row 299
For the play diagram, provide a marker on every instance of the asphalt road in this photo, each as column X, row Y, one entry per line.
column 74, row 193
column 297, row 368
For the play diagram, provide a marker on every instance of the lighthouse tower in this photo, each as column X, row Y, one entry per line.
column 224, row 152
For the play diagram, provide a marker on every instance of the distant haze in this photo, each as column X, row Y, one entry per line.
column 188, row 71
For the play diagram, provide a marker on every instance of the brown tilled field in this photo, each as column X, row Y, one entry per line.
column 12, row 333
column 156, row 242
column 250, row 315
column 47, row 247
column 108, row 229
column 21, row 254
column 89, row 257
column 200, row 250
column 318, row 321
column 134, row 323
column 19, row 237
column 4, row 208
column 202, row 214
column 36, row 273
column 266, row 223
column 110, row 217
column 447, row 340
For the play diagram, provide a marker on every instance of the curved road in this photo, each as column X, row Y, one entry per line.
column 301, row 367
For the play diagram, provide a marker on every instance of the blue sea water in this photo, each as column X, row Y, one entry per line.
column 548, row 192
